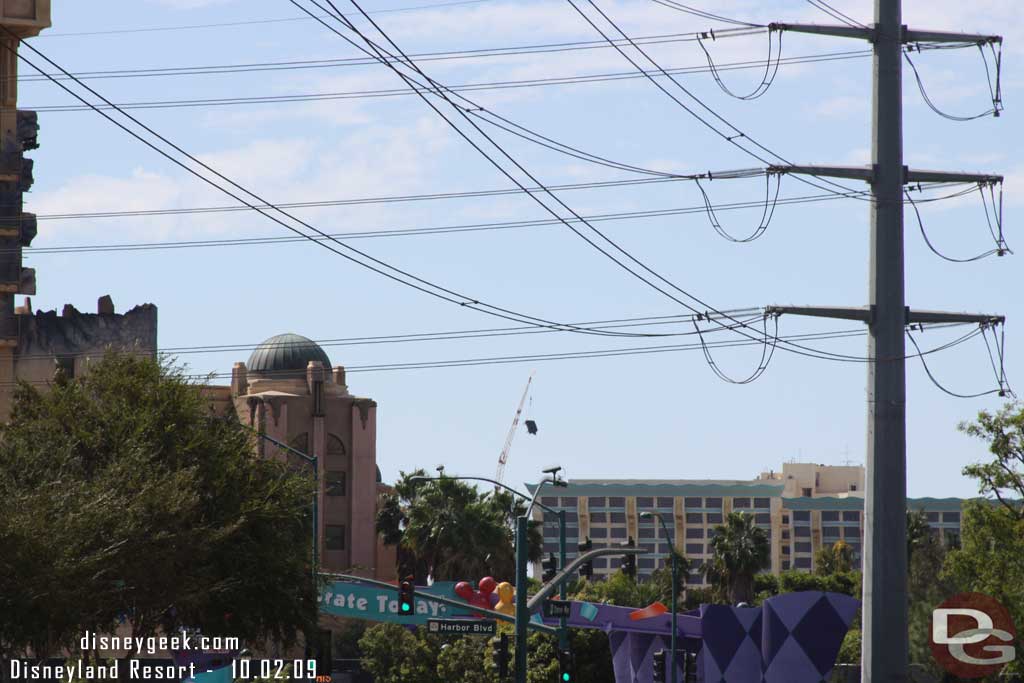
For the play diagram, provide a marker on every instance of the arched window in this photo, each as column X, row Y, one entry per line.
column 335, row 446
column 301, row 443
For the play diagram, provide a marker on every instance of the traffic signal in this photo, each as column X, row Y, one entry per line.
column 406, row 598
column 550, row 566
column 587, row 568
column 629, row 561
column 659, row 666
column 689, row 666
column 499, row 650
column 565, row 666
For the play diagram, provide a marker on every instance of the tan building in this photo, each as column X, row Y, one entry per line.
column 803, row 508
column 289, row 391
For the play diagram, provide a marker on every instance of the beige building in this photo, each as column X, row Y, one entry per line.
column 802, row 508
column 289, row 391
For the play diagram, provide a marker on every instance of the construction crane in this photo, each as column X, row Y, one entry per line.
column 503, row 458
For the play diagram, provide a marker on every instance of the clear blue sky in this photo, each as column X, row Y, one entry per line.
column 649, row 416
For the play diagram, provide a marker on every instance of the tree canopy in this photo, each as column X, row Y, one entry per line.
column 122, row 501
column 741, row 550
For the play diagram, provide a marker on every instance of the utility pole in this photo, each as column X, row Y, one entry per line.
column 885, row 639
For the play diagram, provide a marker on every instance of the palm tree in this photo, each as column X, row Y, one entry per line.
column 741, row 550
column 837, row 559
column 447, row 530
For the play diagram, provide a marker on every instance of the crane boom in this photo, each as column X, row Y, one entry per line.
column 503, row 458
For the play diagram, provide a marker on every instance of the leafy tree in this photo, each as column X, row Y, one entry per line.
column 394, row 654
column 741, row 550
column 1003, row 477
column 121, row 500
column 835, row 559
column 467, row 660
column 619, row 589
column 448, row 530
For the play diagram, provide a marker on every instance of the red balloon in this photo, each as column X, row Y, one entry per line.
column 464, row 590
column 487, row 585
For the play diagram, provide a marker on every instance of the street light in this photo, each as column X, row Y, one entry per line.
column 675, row 582
column 522, row 618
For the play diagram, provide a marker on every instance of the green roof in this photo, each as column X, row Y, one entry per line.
column 286, row 357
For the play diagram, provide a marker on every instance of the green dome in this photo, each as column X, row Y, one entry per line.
column 285, row 357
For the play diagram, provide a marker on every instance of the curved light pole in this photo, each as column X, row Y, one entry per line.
column 522, row 618
column 675, row 581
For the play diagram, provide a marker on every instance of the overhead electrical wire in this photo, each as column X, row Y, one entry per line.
column 375, row 265
column 673, row 4
column 995, row 89
column 737, row 134
column 439, row 91
column 251, row 22
column 467, row 87
column 447, row 55
column 769, row 73
column 1000, row 248
column 835, row 14
column 766, row 215
column 1001, row 378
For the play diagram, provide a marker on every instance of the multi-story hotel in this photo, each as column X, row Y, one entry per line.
column 802, row 508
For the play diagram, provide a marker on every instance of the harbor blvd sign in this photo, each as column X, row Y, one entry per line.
column 355, row 601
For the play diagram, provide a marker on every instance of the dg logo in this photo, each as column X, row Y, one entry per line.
column 972, row 635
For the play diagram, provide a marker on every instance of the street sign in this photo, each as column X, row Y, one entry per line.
column 464, row 627
column 553, row 609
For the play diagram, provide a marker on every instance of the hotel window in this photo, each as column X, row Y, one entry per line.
column 617, row 517
column 830, row 515
column 598, row 517
column 645, row 563
column 851, row 532
column 803, row 547
column 785, row 519
column 806, row 493
column 694, row 548
column 335, row 483
column 802, row 516
column 762, row 502
column 692, row 502
column 550, row 502
column 785, row 549
column 803, row 563
column 616, row 502
column 738, row 503
column 785, row 565
column 597, row 502
column 830, row 531
column 762, row 518
column 572, row 517
column 569, row 502
column 695, row 579
column 694, row 518
column 851, row 515
column 618, row 532
column 950, row 517
column 335, row 537
column 599, row 532
column 802, row 531
column 646, row 532
column 713, row 503
column 785, row 534
column 714, row 518
column 666, row 502
column 695, row 533
column 645, row 502
column 933, row 516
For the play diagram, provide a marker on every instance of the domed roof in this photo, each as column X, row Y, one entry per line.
column 285, row 357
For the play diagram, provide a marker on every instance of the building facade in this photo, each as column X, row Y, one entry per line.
column 289, row 392
column 803, row 508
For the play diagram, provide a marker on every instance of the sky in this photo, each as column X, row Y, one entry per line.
column 636, row 416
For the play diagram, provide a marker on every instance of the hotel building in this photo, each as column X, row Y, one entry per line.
column 803, row 508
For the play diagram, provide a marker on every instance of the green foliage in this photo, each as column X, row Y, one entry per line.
column 741, row 550
column 393, row 654
column 1003, row 477
column 847, row 583
column 450, row 531
column 619, row 589
column 467, row 660
column 121, row 497
column 849, row 651
column 835, row 559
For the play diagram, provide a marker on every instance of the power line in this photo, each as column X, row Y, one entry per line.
column 253, row 22
column 673, row 4
column 447, row 55
column 995, row 89
column 467, row 87
column 769, row 73
column 835, row 14
column 375, row 265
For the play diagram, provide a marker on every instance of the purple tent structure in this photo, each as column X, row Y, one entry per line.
column 791, row 638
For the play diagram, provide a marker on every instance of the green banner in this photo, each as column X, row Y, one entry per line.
column 355, row 601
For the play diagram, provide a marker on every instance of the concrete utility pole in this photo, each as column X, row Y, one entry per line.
column 885, row 638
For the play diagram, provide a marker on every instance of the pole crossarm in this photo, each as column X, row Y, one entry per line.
column 867, row 174
column 870, row 33
column 866, row 315
column 914, row 36
column 923, row 176
column 547, row 589
column 443, row 600
column 862, row 313
column 943, row 317
column 864, row 33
